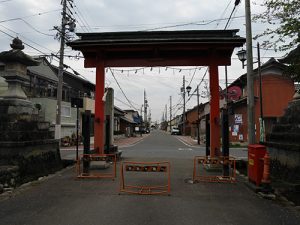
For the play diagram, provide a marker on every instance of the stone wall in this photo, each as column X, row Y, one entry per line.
column 284, row 145
column 28, row 167
column 27, row 149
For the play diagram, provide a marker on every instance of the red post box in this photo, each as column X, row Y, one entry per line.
column 256, row 155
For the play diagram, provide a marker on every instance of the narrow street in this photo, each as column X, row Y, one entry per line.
column 62, row 199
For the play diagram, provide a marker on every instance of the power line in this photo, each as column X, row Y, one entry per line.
column 79, row 21
column 26, row 39
column 24, row 17
column 83, row 18
column 121, row 89
column 198, row 85
column 192, row 77
column 224, row 12
column 6, row 1
column 199, row 23
column 38, row 50
column 236, row 3
column 32, row 27
column 23, row 42
column 122, row 102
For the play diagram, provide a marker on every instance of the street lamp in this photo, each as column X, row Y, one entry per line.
column 188, row 89
column 242, row 57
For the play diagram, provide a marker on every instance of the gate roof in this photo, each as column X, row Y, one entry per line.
column 158, row 48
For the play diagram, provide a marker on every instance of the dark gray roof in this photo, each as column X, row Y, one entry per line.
column 44, row 69
column 272, row 62
column 127, row 120
column 292, row 56
column 49, row 71
column 157, row 37
column 55, row 68
column 118, row 111
column 157, row 48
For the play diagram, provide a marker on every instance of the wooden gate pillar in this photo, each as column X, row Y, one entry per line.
column 214, row 110
column 99, row 108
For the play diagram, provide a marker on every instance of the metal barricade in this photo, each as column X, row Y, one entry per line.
column 140, row 169
column 211, row 169
column 86, row 170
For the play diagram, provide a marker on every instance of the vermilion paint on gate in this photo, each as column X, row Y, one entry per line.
column 212, row 48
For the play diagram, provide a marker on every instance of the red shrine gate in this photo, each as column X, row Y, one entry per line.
column 210, row 48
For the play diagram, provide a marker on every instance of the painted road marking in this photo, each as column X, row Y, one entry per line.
column 185, row 149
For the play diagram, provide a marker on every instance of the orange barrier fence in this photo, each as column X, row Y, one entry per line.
column 159, row 180
column 211, row 169
column 90, row 165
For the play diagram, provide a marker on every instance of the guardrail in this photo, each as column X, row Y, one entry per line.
column 214, row 169
column 86, row 171
column 146, row 167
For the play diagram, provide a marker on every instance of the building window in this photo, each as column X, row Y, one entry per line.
column 65, row 111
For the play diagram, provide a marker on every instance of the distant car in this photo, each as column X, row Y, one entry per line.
column 175, row 131
column 145, row 130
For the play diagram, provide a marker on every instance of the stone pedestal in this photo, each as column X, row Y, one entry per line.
column 26, row 142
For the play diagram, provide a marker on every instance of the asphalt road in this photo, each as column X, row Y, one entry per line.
column 62, row 199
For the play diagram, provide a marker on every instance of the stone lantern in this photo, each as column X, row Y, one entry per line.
column 27, row 145
column 14, row 100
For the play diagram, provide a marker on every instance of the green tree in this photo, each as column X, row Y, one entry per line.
column 283, row 16
column 283, row 32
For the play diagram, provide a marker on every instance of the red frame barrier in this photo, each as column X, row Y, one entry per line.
column 145, row 167
column 208, row 161
column 97, row 157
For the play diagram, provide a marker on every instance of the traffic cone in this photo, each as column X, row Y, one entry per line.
column 266, row 180
column 266, row 174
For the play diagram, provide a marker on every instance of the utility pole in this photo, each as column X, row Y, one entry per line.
column 261, row 119
column 183, row 116
column 198, row 115
column 70, row 22
column 250, row 88
column 141, row 120
column 145, row 109
column 149, row 118
column 61, row 70
column 170, row 113
column 166, row 112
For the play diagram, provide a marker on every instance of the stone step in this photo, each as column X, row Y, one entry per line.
column 284, row 137
column 281, row 128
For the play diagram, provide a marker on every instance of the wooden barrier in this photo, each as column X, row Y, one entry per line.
column 145, row 167
column 210, row 169
column 84, row 171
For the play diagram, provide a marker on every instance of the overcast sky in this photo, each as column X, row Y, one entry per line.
column 33, row 21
